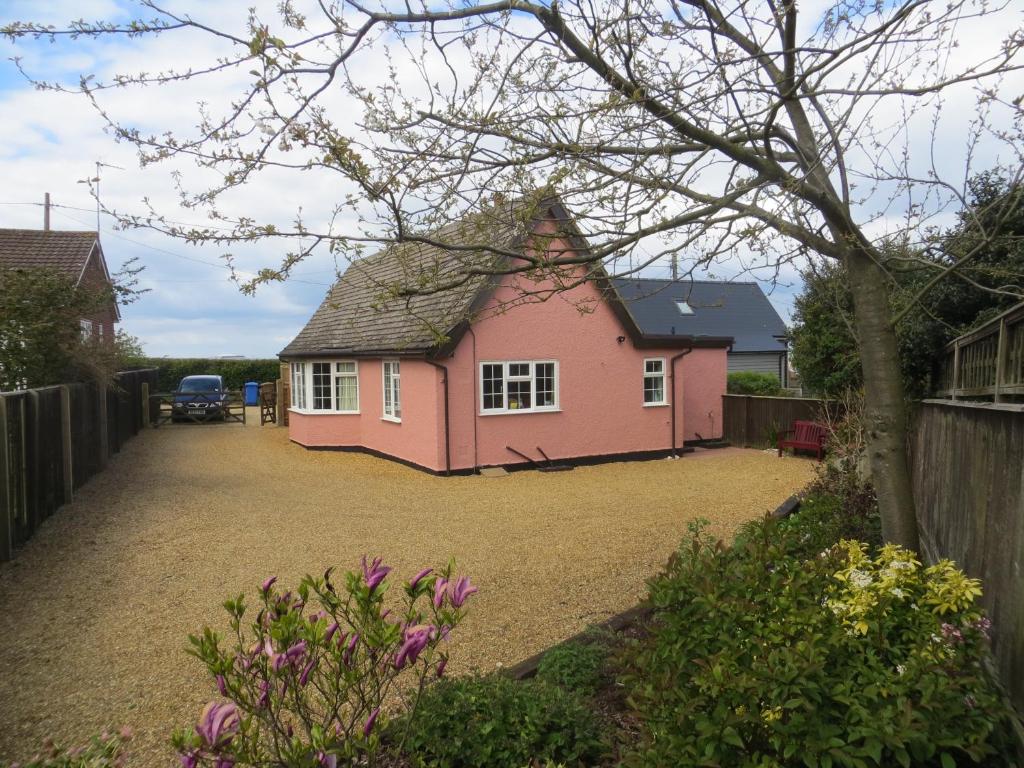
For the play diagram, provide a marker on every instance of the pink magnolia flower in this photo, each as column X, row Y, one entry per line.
column 218, row 724
column 296, row 652
column 370, row 721
column 420, row 577
column 222, row 685
column 304, row 677
column 267, row 584
column 441, row 666
column 330, row 632
column 461, row 591
column 374, row 573
column 439, row 591
column 415, row 640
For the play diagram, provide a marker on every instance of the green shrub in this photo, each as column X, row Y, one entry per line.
column 821, row 520
column 760, row 658
column 575, row 666
column 751, row 383
column 499, row 722
column 235, row 372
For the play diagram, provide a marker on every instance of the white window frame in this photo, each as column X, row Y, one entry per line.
column 302, row 387
column 86, row 327
column 299, row 372
column 663, row 375
column 531, row 377
column 391, row 369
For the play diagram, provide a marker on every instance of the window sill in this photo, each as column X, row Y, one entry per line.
column 656, row 405
column 392, row 419
column 520, row 411
column 310, row 412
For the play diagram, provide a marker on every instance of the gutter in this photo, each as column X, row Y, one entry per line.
column 672, row 406
column 447, row 429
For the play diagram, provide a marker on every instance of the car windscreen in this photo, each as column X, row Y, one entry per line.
column 200, row 384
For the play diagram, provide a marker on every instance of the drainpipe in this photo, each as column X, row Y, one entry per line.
column 447, row 430
column 476, row 407
column 672, row 402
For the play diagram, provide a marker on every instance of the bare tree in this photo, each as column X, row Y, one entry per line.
column 686, row 130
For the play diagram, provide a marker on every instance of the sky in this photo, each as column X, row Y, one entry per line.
column 50, row 142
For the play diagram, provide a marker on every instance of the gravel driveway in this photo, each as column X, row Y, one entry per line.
column 97, row 607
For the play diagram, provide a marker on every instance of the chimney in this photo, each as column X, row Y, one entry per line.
column 46, row 213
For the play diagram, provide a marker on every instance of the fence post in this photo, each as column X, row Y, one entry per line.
column 956, row 370
column 6, row 511
column 65, row 441
column 104, row 436
column 279, row 400
column 145, row 405
column 33, row 513
column 1000, row 358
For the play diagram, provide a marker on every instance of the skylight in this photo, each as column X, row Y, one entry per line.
column 684, row 307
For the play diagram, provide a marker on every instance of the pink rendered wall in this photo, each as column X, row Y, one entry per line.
column 419, row 437
column 600, row 390
column 600, row 384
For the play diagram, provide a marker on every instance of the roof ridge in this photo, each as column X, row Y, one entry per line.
column 90, row 232
column 686, row 281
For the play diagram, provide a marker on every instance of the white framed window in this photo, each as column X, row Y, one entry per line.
column 346, row 386
column 654, row 381
column 86, row 326
column 299, row 386
column 392, row 380
column 325, row 386
column 519, row 386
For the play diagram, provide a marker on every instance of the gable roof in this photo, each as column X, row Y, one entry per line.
column 65, row 251
column 362, row 315
column 739, row 310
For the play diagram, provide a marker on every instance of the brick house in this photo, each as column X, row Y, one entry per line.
column 75, row 254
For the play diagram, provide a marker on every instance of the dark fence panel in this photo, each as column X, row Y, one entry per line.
column 968, row 464
column 756, row 421
column 55, row 437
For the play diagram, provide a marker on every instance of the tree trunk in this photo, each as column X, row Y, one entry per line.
column 885, row 407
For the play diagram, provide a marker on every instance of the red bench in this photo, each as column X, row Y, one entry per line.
column 806, row 435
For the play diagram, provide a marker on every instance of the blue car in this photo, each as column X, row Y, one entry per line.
column 200, row 398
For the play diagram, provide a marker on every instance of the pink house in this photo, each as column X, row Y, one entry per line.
column 482, row 370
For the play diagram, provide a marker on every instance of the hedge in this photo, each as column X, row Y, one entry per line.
column 235, row 372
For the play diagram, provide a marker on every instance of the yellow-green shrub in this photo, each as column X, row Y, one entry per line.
column 761, row 658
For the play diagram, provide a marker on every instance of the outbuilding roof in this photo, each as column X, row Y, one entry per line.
column 736, row 309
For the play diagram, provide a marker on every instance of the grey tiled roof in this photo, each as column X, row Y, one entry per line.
column 739, row 310
column 28, row 248
column 362, row 315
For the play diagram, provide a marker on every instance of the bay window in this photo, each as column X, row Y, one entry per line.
column 325, row 386
column 527, row 386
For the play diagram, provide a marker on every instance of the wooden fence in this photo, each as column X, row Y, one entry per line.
column 53, row 439
column 968, row 464
column 755, row 421
column 988, row 362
